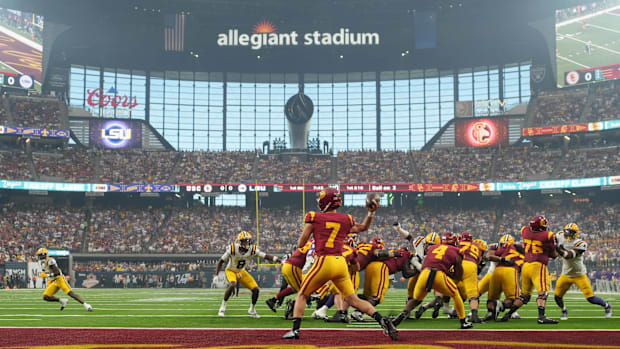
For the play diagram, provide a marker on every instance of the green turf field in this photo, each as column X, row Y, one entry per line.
column 602, row 30
column 198, row 308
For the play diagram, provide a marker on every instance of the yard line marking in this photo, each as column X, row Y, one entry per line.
column 582, row 18
column 305, row 329
column 604, row 28
column 571, row 61
column 612, row 14
column 594, row 45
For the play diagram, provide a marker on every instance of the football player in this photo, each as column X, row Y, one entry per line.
column 468, row 286
column 239, row 254
column 330, row 229
column 56, row 281
column 420, row 244
column 436, row 274
column 572, row 249
column 292, row 272
column 539, row 245
column 505, row 278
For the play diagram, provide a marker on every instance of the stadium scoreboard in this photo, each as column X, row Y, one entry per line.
column 587, row 75
column 15, row 80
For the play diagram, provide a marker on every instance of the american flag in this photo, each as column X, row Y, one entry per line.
column 174, row 32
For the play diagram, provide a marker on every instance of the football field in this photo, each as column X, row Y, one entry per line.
column 187, row 309
column 601, row 30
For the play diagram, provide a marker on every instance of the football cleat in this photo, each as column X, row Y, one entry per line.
column 222, row 311
column 608, row 313
column 292, row 334
column 340, row 316
column 516, row 316
column 546, row 320
column 400, row 318
column 317, row 315
column 418, row 313
column 466, row 325
column 506, row 317
column 489, row 316
column 253, row 313
column 88, row 307
column 475, row 319
column 389, row 328
column 564, row 314
column 453, row 315
column 357, row 316
column 271, row 303
column 63, row 303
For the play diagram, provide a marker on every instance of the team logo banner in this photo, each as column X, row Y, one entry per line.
column 488, row 132
column 115, row 134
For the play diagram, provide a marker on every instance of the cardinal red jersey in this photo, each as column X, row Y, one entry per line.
column 330, row 231
column 366, row 253
column 441, row 257
column 470, row 252
column 349, row 253
column 298, row 258
column 538, row 245
column 510, row 253
column 396, row 264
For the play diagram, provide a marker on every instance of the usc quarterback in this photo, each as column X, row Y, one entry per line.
column 330, row 230
column 56, row 281
column 572, row 249
column 539, row 245
column 239, row 254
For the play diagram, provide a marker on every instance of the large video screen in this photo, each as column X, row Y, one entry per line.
column 488, row 132
column 21, row 48
column 588, row 43
column 115, row 134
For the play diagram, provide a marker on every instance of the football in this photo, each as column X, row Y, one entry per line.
column 373, row 200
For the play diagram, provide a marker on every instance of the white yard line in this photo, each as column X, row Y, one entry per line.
column 603, row 28
column 593, row 45
column 305, row 329
column 579, row 19
column 574, row 62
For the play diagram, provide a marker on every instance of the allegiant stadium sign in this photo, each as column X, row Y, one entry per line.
column 265, row 35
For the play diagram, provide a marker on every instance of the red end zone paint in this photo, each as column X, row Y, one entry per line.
column 270, row 338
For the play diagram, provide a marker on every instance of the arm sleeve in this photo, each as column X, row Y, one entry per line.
column 260, row 253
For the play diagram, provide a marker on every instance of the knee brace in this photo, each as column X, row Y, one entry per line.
column 543, row 296
column 525, row 298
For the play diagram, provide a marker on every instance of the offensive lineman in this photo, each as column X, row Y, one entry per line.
column 239, row 254
column 539, row 245
column 56, row 281
column 572, row 249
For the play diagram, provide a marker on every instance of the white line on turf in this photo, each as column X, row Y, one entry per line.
column 594, row 45
column 603, row 28
column 571, row 61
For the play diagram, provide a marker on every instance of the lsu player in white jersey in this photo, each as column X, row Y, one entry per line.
column 56, row 281
column 239, row 254
column 572, row 249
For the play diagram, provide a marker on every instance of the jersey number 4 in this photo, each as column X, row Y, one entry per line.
column 440, row 251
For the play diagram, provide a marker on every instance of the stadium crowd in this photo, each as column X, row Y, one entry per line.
column 606, row 103
column 40, row 113
column 560, row 107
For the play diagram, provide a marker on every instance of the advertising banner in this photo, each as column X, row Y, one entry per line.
column 487, row 132
column 115, row 134
column 574, row 128
column 34, row 132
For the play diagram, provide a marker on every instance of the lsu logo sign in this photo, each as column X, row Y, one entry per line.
column 115, row 134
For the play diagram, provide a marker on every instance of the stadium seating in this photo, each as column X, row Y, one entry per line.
column 560, row 107
column 70, row 165
column 38, row 113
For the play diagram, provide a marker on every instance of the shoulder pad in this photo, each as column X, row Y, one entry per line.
column 232, row 249
column 418, row 241
column 310, row 217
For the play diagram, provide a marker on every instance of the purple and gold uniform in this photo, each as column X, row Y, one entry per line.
column 292, row 268
column 330, row 231
column 539, row 246
column 506, row 277
column 440, row 258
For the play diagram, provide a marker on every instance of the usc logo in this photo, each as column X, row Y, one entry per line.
column 481, row 133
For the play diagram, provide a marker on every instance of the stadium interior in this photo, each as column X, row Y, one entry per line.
column 139, row 138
